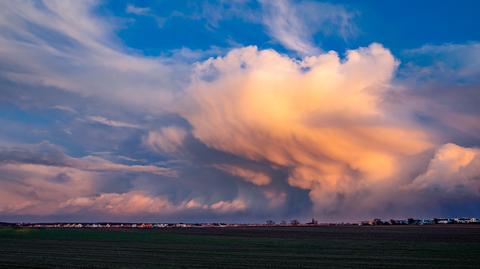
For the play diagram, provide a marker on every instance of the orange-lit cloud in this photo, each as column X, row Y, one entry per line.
column 452, row 169
column 138, row 202
column 323, row 118
column 37, row 189
column 255, row 177
column 130, row 203
column 43, row 181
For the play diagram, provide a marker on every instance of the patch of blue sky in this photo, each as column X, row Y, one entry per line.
column 398, row 25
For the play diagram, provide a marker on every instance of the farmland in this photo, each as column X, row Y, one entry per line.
column 436, row 246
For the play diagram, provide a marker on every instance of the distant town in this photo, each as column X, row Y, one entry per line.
column 268, row 223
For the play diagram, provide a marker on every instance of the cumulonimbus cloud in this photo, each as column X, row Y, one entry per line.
column 323, row 118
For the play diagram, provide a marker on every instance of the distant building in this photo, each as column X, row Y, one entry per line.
column 411, row 221
column 373, row 222
column 398, row 222
column 443, row 221
column 465, row 220
column 426, row 222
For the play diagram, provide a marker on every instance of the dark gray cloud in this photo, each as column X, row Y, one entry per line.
column 440, row 83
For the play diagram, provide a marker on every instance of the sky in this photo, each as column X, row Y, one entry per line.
column 238, row 111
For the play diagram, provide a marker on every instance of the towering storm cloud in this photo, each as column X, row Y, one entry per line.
column 323, row 119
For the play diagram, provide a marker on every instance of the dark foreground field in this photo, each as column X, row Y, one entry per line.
column 296, row 247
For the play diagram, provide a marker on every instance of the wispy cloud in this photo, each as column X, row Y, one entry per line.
column 78, row 55
column 113, row 123
column 65, row 109
column 294, row 24
column 141, row 11
column 168, row 139
column 441, row 82
column 255, row 177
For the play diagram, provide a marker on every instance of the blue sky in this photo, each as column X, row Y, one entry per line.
column 398, row 25
column 238, row 110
